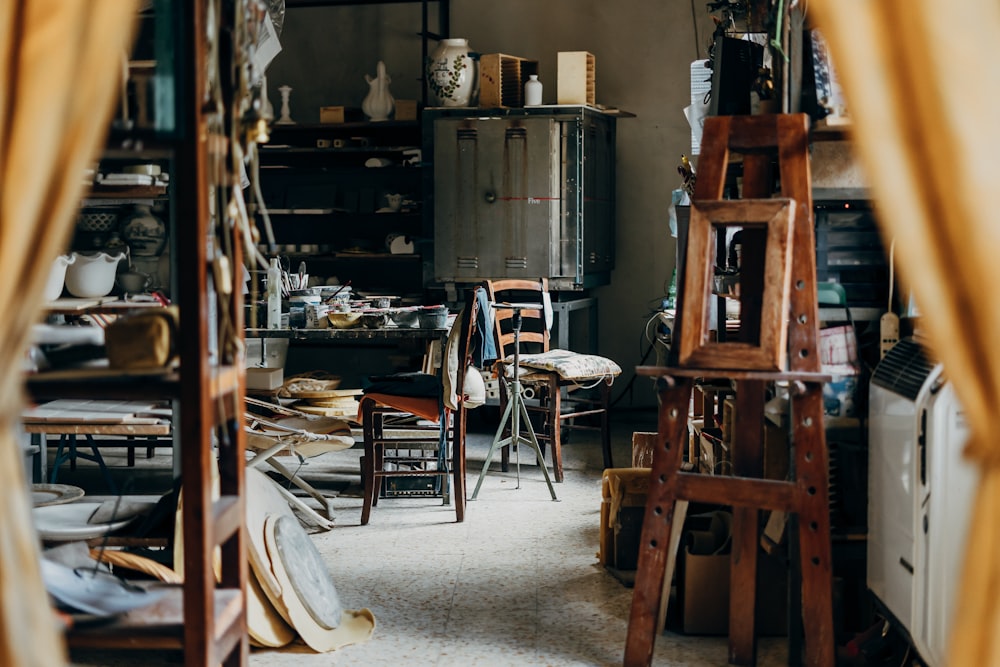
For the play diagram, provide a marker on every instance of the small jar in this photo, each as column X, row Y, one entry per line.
column 532, row 91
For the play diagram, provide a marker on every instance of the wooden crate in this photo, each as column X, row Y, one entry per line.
column 501, row 79
column 575, row 83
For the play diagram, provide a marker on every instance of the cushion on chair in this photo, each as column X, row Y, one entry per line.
column 570, row 365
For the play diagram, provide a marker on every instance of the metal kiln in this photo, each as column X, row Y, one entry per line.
column 524, row 193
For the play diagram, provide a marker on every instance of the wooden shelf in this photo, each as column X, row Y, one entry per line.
column 159, row 625
column 113, row 383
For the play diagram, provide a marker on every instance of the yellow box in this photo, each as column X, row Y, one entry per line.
column 405, row 110
column 575, row 82
column 502, row 78
column 332, row 114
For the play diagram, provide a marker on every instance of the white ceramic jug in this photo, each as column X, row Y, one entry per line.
column 57, row 277
column 379, row 103
column 92, row 274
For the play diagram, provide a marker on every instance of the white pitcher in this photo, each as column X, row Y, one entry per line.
column 379, row 103
column 57, row 277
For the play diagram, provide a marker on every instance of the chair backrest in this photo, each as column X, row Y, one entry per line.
column 534, row 335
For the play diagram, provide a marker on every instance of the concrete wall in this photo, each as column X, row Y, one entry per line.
column 643, row 50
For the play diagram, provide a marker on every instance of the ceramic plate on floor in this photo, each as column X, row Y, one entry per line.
column 71, row 521
column 43, row 495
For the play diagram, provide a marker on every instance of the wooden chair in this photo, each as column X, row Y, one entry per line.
column 551, row 377
column 391, row 398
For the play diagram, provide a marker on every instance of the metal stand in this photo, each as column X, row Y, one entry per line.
column 516, row 411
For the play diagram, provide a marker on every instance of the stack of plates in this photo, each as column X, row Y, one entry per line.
column 341, row 403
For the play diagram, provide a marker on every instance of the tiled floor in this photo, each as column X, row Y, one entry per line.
column 517, row 583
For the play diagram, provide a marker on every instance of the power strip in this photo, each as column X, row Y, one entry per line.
column 888, row 332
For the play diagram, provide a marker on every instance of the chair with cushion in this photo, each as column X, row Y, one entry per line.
column 390, row 403
column 555, row 381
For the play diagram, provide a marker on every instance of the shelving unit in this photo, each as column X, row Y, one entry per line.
column 331, row 210
column 203, row 617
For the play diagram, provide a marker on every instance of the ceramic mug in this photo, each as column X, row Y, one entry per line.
column 134, row 281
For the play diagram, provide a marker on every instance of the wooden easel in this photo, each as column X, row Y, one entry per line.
column 777, row 341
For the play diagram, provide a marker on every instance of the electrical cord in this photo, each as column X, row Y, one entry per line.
column 627, row 389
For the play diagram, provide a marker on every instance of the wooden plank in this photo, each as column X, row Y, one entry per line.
column 748, row 461
column 656, row 525
column 731, row 373
column 812, row 476
column 741, row 491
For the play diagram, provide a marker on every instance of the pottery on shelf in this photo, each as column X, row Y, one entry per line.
column 91, row 275
column 532, row 91
column 57, row 277
column 453, row 74
column 379, row 103
column 145, row 233
column 286, row 112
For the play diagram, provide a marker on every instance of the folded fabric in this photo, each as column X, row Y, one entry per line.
column 570, row 365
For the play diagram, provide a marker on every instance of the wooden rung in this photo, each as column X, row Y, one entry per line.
column 740, row 491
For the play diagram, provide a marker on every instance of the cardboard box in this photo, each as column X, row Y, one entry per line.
column 502, row 78
column 623, row 491
column 340, row 114
column 703, row 594
column 575, row 83
column 405, row 110
column 265, row 379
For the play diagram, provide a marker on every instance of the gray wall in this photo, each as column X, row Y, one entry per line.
column 643, row 51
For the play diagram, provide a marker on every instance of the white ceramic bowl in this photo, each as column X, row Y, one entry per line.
column 92, row 274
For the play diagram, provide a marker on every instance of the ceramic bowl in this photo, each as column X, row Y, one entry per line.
column 374, row 320
column 348, row 320
column 405, row 318
column 433, row 318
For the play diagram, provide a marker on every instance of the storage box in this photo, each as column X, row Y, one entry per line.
column 501, row 79
column 265, row 379
column 643, row 444
column 623, row 502
column 405, row 110
column 703, row 594
column 576, row 78
column 340, row 114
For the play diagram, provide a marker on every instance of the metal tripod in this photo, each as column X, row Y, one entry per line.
column 516, row 410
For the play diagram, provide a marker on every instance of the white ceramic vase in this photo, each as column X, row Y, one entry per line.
column 532, row 91
column 453, row 74
column 144, row 232
column 379, row 103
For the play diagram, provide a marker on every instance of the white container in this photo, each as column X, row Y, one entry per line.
column 274, row 295
column 532, row 91
column 57, row 277
column 453, row 74
column 92, row 275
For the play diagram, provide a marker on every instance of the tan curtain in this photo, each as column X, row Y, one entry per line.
column 60, row 72
column 923, row 91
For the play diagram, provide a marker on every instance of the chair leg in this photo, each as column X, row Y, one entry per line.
column 606, row 424
column 368, row 464
column 554, row 427
column 458, row 464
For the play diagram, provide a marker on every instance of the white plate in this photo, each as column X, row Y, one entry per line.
column 43, row 495
column 70, row 522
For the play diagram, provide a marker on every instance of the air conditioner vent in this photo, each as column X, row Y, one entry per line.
column 904, row 369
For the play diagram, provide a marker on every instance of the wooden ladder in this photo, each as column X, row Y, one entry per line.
column 776, row 341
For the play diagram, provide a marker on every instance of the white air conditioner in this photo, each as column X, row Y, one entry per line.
column 919, row 495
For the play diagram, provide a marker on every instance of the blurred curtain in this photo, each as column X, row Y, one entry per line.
column 923, row 90
column 60, row 74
